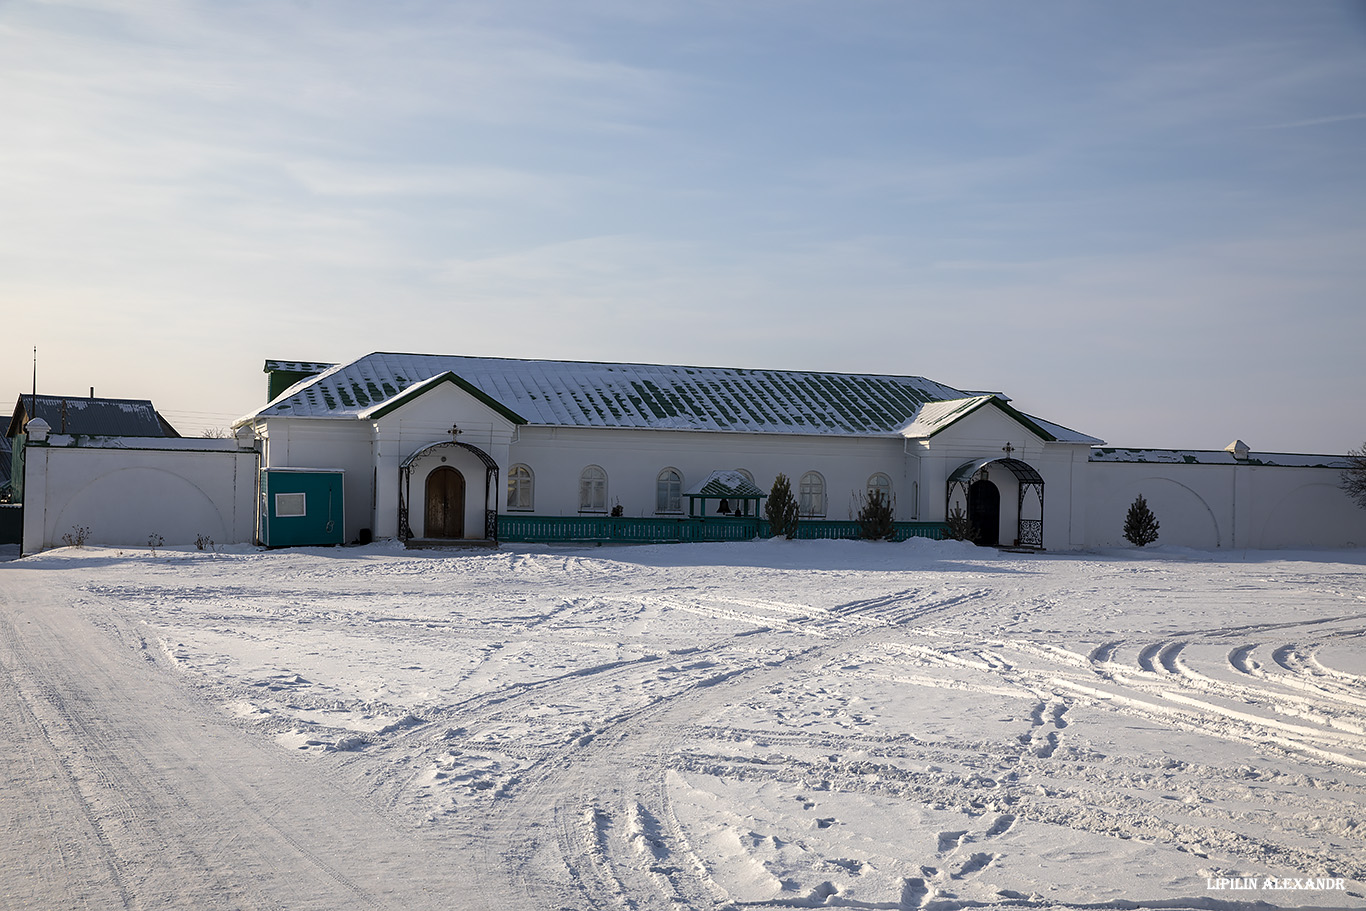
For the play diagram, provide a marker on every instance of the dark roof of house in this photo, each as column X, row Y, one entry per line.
column 86, row 416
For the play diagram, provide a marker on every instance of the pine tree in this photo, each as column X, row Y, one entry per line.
column 960, row 526
column 1140, row 525
column 781, row 508
column 875, row 517
column 1354, row 476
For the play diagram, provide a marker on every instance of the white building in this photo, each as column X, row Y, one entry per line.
column 463, row 448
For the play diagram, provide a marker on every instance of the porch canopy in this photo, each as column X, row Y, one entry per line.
column 731, row 488
column 1029, row 531
column 405, row 531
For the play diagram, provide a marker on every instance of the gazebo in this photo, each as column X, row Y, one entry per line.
column 732, row 488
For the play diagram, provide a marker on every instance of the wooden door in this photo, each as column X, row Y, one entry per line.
column 445, row 504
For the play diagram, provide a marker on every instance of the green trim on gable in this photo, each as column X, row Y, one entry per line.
column 1024, row 420
column 414, row 392
column 1019, row 418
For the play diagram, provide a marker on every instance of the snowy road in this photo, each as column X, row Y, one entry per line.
column 123, row 789
column 767, row 725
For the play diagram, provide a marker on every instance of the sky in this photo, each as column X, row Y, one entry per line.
column 1142, row 219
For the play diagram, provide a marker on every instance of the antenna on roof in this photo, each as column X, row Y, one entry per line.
column 33, row 400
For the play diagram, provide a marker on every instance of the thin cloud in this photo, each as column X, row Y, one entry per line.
column 1315, row 122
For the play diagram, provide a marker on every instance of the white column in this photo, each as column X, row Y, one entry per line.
column 35, row 499
column 384, row 521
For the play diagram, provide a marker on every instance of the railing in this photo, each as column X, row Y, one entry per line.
column 660, row 530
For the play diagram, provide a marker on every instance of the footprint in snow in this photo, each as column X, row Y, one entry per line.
column 948, row 841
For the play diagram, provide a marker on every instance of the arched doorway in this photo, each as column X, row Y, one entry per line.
column 970, row 488
column 984, row 512
column 445, row 504
column 469, row 457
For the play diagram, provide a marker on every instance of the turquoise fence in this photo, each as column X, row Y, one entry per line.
column 659, row 530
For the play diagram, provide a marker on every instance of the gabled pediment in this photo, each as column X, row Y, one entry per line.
column 934, row 418
column 442, row 384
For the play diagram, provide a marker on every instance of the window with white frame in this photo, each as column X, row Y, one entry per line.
column 879, row 483
column 521, row 487
column 811, row 494
column 593, row 490
column 669, row 491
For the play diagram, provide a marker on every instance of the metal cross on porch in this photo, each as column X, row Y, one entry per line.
column 455, row 431
column 1007, row 449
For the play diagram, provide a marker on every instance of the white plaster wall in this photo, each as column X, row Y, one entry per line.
column 633, row 460
column 425, row 421
column 1225, row 506
column 984, row 434
column 344, row 445
column 125, row 495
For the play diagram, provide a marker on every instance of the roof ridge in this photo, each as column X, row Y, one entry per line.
column 602, row 363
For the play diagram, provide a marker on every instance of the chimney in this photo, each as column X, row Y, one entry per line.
column 92, row 392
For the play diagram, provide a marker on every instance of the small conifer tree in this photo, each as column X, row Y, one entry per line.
column 1140, row 525
column 781, row 508
column 960, row 526
column 875, row 517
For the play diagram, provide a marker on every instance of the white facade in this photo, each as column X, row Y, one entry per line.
column 594, row 445
column 371, row 450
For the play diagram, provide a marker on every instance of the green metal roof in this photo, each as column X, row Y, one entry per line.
column 726, row 483
column 647, row 396
column 938, row 416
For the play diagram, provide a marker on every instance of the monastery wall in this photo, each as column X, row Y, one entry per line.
column 633, row 460
column 123, row 495
column 1243, row 506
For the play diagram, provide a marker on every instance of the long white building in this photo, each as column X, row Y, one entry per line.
column 441, row 448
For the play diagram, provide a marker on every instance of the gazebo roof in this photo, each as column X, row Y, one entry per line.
column 730, row 483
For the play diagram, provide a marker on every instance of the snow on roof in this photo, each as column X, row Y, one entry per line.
column 936, row 416
column 1065, row 434
column 91, row 416
column 298, row 366
column 588, row 394
column 1221, row 457
column 725, row 483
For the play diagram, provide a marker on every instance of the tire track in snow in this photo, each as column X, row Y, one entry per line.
column 626, row 755
column 189, row 812
column 1101, row 809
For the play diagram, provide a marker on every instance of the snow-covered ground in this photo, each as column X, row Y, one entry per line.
column 760, row 725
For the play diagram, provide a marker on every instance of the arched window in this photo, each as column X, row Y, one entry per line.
column 879, row 483
column 669, row 491
column 521, row 487
column 593, row 490
column 811, row 494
